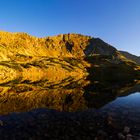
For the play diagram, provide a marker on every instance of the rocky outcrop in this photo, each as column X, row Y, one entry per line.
column 98, row 46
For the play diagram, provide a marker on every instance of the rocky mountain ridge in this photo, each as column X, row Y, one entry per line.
column 16, row 45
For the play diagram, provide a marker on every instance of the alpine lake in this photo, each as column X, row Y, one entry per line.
column 33, row 106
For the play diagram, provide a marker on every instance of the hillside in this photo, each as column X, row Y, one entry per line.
column 65, row 72
column 21, row 46
column 30, row 59
column 131, row 57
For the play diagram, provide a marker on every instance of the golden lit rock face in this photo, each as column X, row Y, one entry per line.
column 34, row 59
column 53, row 70
column 23, row 47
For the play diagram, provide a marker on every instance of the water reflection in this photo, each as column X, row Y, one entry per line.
column 64, row 85
column 67, row 95
column 131, row 101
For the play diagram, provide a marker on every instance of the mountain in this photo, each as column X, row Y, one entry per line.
column 25, row 58
column 131, row 57
column 67, row 72
column 14, row 46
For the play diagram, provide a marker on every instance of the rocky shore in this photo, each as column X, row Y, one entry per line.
column 40, row 124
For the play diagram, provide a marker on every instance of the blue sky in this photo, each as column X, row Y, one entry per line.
column 117, row 22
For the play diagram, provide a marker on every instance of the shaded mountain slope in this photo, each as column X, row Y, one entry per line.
column 131, row 57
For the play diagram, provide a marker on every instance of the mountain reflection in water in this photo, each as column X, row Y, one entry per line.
column 68, row 94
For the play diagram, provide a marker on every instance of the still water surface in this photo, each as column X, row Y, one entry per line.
column 69, row 95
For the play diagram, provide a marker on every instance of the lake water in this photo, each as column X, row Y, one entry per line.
column 126, row 108
column 71, row 96
column 112, row 105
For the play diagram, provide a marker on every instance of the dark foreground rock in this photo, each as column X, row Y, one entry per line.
column 40, row 124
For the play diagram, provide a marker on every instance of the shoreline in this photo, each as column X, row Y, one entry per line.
column 39, row 124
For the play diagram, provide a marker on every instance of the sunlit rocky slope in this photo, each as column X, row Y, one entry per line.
column 23, row 47
column 75, row 55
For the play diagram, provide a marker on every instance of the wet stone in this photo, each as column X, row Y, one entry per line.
column 101, row 134
column 129, row 137
column 126, row 130
column 121, row 136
